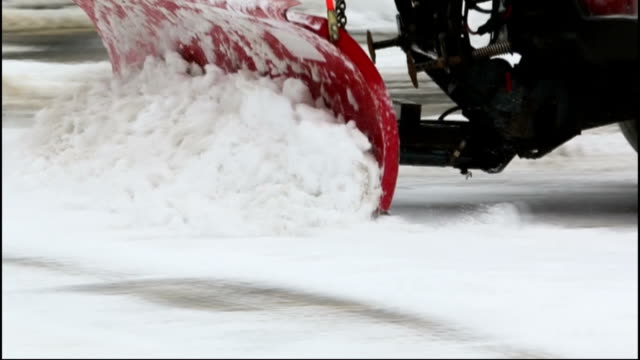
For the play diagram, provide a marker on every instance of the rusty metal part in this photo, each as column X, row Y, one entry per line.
column 334, row 27
column 377, row 45
column 499, row 48
column 458, row 151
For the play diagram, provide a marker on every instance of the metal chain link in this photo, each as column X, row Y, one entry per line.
column 341, row 13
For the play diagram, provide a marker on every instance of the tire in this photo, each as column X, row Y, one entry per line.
column 630, row 131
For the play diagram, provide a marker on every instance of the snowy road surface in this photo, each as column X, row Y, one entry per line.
column 539, row 261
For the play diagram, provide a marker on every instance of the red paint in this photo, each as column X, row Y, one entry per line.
column 611, row 7
column 509, row 82
column 507, row 13
column 330, row 5
column 345, row 68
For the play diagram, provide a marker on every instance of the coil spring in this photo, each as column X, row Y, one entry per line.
column 499, row 48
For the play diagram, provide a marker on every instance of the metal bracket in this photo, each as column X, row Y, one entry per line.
column 334, row 29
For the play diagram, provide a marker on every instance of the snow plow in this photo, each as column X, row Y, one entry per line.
column 260, row 36
column 577, row 68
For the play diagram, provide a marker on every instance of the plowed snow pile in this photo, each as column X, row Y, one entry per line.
column 206, row 153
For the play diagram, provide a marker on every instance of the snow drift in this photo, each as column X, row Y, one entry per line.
column 204, row 152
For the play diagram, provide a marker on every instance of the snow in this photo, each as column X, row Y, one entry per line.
column 230, row 155
column 40, row 82
column 121, row 237
column 16, row 19
column 95, row 326
column 298, row 46
column 491, row 278
column 485, row 284
column 35, row 3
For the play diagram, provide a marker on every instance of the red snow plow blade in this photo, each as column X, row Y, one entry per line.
column 261, row 36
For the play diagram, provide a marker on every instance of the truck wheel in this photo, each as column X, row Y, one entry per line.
column 630, row 131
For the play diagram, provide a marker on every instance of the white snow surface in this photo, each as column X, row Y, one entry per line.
column 212, row 154
column 122, row 180
column 39, row 83
column 229, row 178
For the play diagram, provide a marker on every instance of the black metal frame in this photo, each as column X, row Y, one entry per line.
column 577, row 72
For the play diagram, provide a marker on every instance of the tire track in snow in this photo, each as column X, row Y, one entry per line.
column 223, row 295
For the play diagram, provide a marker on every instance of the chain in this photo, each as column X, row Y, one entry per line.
column 341, row 13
